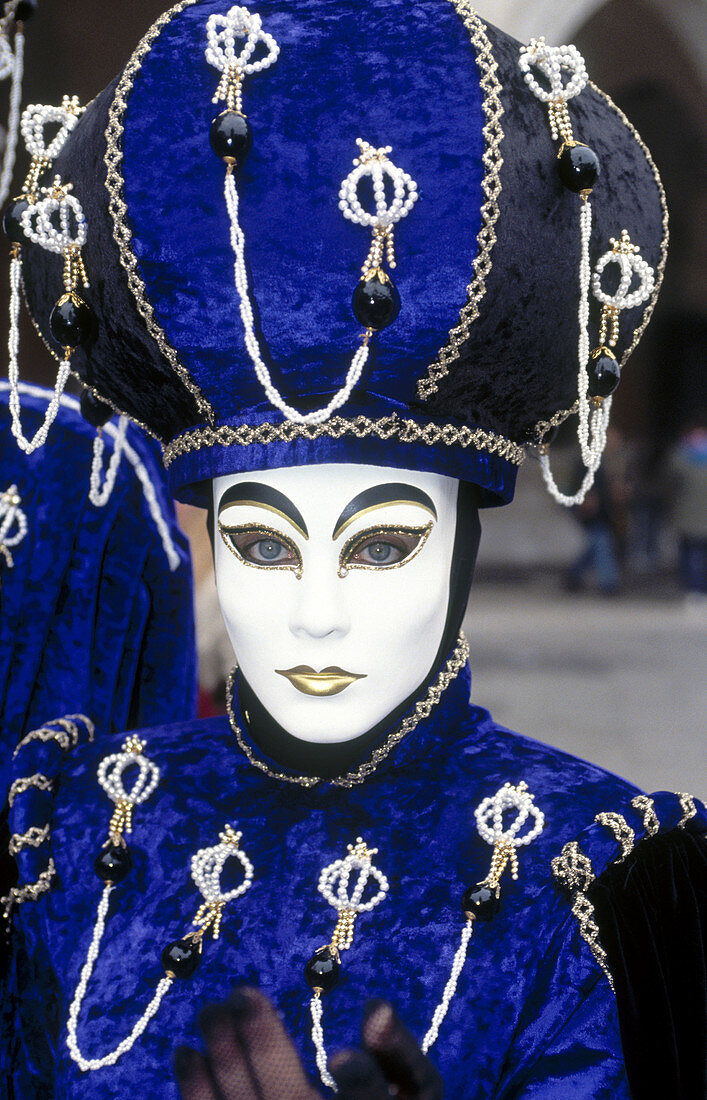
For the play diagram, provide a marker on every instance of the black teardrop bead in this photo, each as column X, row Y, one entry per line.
column 25, row 10
column 71, row 321
column 376, row 302
column 578, row 167
column 182, row 957
column 231, row 136
column 114, row 862
column 95, row 411
column 11, row 221
column 604, row 373
column 323, row 969
column 481, row 900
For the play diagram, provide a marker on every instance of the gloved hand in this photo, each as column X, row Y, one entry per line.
column 251, row 1057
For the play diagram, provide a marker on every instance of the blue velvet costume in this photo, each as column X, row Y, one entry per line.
column 480, row 360
column 534, row 1015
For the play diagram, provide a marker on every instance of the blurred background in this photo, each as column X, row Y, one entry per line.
column 587, row 627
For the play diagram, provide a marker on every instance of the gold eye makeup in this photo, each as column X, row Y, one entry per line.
column 261, row 547
column 386, row 546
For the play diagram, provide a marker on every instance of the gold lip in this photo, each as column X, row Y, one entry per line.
column 330, row 681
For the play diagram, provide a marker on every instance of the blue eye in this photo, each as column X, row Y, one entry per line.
column 267, row 550
column 383, row 547
column 262, row 547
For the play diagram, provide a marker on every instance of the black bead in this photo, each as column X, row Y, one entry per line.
column 11, row 222
column 481, row 900
column 114, row 862
column 604, row 373
column 94, row 410
column 376, row 302
column 231, row 136
column 25, row 10
column 182, row 957
column 323, row 969
column 71, row 321
column 578, row 167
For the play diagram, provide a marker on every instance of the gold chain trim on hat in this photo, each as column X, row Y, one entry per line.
column 387, row 427
column 422, row 710
column 575, row 872
column 118, row 208
column 491, row 186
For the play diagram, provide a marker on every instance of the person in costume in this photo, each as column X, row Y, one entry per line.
column 346, row 278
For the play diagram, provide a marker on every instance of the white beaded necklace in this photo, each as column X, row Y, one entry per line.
column 12, row 65
column 478, row 902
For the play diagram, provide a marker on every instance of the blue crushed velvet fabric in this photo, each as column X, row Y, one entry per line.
column 93, row 619
column 409, row 75
column 534, row 1015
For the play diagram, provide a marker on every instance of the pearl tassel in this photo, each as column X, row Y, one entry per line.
column 13, row 122
column 262, row 373
column 450, row 988
column 316, row 1009
column 100, row 495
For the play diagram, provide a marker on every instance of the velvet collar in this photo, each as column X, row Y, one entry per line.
column 422, row 730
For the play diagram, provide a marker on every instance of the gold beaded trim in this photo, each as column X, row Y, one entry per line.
column 35, row 835
column 491, row 186
column 118, row 208
column 30, row 891
column 386, row 427
column 67, row 733
column 619, row 826
column 646, row 807
column 574, row 871
column 688, row 807
column 422, row 710
column 25, row 783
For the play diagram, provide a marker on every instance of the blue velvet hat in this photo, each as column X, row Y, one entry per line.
column 481, row 359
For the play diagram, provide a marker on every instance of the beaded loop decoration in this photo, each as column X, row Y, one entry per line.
column 323, row 970
column 479, row 902
column 180, row 958
column 57, row 224
column 13, row 523
column 578, row 168
column 376, row 302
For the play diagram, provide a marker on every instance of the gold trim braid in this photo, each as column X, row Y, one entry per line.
column 118, row 208
column 491, row 186
column 421, row 710
column 29, row 891
column 575, row 872
column 67, row 733
column 387, row 427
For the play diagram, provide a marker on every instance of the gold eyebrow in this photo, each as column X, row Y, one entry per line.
column 342, row 526
column 268, row 508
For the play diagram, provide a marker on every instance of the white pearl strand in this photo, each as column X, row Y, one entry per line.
column 16, row 69
column 338, row 874
column 631, row 263
column 13, row 372
column 36, row 116
column 71, row 1039
column 551, row 60
column 377, row 165
column 98, row 494
column 11, row 515
column 141, row 472
column 251, row 340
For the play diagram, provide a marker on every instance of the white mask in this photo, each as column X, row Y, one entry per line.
column 333, row 582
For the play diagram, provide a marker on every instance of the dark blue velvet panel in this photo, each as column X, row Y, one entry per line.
column 533, row 1016
column 341, row 74
column 93, row 619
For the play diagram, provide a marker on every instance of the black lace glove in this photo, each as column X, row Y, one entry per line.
column 251, row 1057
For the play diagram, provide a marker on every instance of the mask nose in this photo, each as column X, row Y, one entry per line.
column 321, row 608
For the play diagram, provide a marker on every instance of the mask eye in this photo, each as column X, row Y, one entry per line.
column 382, row 548
column 262, row 547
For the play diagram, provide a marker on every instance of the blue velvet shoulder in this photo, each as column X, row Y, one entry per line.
column 543, row 1021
